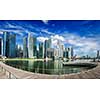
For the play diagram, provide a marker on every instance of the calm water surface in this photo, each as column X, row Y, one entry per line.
column 50, row 67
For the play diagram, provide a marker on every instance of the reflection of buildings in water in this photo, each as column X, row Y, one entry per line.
column 43, row 68
column 30, row 65
column 49, row 66
column 25, row 65
column 58, row 67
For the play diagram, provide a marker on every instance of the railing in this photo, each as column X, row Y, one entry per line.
column 6, row 72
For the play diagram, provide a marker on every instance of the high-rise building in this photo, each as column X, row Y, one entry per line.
column 6, row 44
column 66, row 53
column 9, row 44
column 60, row 48
column 19, row 51
column 30, row 45
column 12, row 45
column 50, row 52
column 46, row 46
column 98, row 53
column 25, row 49
column 34, row 47
column 72, row 52
column 41, row 50
column 0, row 46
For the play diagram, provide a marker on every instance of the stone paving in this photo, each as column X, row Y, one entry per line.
column 20, row 74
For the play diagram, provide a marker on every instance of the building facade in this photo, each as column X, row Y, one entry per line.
column 12, row 46
column 25, row 48
column 34, row 47
column 0, row 46
column 41, row 50
column 47, row 45
column 6, row 44
column 30, row 45
column 9, row 44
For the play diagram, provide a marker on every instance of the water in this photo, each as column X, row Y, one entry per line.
column 50, row 67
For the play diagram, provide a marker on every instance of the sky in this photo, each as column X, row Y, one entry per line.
column 82, row 35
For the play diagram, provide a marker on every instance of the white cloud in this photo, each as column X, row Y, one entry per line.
column 83, row 45
column 1, row 32
column 54, row 39
column 54, row 43
column 46, row 31
column 42, row 39
column 45, row 21
column 58, row 37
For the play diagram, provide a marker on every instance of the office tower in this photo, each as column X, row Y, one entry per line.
column 25, row 49
column 0, row 46
column 30, row 45
column 6, row 44
column 56, row 53
column 16, row 50
column 19, row 51
column 9, row 45
column 50, row 52
column 98, row 53
column 60, row 47
column 34, row 47
column 61, row 50
column 12, row 46
column 46, row 46
column 72, row 52
column 41, row 50
column 66, row 53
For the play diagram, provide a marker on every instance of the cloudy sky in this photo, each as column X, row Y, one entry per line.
column 82, row 35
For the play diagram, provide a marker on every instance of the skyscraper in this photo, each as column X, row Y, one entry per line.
column 25, row 49
column 12, row 45
column 72, row 52
column 98, row 53
column 0, row 46
column 41, row 48
column 34, row 47
column 30, row 45
column 46, row 46
column 9, row 44
column 6, row 44
column 66, row 53
column 60, row 47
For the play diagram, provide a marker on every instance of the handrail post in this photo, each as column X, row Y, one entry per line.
column 9, row 75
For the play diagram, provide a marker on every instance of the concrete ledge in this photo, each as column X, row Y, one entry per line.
column 20, row 74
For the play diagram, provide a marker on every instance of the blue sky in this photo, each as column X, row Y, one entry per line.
column 83, row 35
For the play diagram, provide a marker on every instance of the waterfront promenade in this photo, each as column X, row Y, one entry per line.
column 8, row 72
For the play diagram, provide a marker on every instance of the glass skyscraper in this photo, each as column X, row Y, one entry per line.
column 6, row 44
column 47, row 45
column 25, row 49
column 30, row 45
column 12, row 45
column 9, row 44
column 34, row 47
column 0, row 46
column 41, row 50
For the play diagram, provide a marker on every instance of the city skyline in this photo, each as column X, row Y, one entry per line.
column 83, row 36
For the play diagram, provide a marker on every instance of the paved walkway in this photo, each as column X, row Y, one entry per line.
column 20, row 74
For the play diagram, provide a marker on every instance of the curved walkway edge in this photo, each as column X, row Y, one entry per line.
column 13, row 73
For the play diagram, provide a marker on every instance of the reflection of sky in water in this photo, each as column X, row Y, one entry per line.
column 49, row 67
